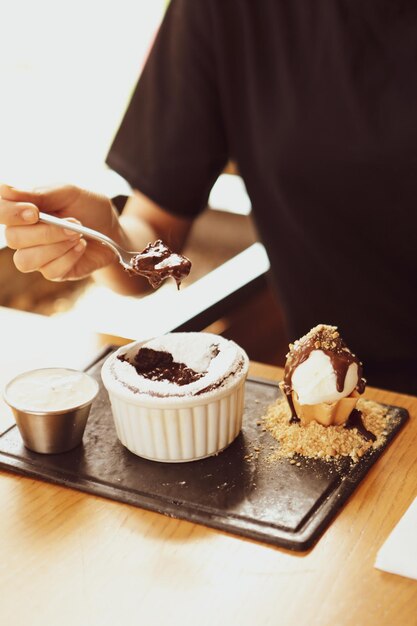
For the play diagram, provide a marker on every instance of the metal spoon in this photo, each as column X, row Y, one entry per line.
column 124, row 256
column 156, row 262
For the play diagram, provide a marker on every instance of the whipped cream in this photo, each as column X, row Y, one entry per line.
column 215, row 358
column 50, row 389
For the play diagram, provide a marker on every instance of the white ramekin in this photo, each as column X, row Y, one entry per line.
column 175, row 428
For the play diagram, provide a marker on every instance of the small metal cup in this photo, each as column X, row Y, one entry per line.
column 52, row 432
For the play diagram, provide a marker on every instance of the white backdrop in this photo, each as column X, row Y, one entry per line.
column 67, row 70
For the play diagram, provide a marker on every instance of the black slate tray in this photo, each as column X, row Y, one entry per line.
column 277, row 503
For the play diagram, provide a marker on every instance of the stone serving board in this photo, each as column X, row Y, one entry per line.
column 239, row 492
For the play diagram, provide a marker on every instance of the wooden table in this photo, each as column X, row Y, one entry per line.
column 67, row 558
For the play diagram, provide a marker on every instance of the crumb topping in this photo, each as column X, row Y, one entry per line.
column 329, row 442
column 321, row 337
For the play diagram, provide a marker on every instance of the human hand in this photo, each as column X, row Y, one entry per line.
column 56, row 253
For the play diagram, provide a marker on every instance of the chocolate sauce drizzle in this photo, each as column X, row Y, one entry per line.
column 293, row 419
column 327, row 339
column 355, row 421
column 158, row 262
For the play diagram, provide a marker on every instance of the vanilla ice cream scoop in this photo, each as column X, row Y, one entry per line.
column 321, row 371
column 315, row 380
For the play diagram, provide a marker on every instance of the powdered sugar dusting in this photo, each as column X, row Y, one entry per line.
column 195, row 354
column 216, row 358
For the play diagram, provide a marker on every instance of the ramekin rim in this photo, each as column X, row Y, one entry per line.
column 125, row 393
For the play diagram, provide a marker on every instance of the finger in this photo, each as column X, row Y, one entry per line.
column 20, row 195
column 58, row 269
column 17, row 213
column 38, row 235
column 48, row 199
column 32, row 259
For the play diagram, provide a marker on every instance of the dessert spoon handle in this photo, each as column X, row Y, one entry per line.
column 87, row 232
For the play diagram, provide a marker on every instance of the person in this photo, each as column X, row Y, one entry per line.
column 316, row 103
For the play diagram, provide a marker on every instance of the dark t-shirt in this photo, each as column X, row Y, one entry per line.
column 317, row 104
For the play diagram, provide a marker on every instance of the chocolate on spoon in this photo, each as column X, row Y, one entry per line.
column 157, row 262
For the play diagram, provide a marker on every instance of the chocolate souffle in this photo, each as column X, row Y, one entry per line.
column 177, row 397
column 158, row 262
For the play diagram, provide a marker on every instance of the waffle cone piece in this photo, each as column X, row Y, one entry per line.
column 327, row 414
